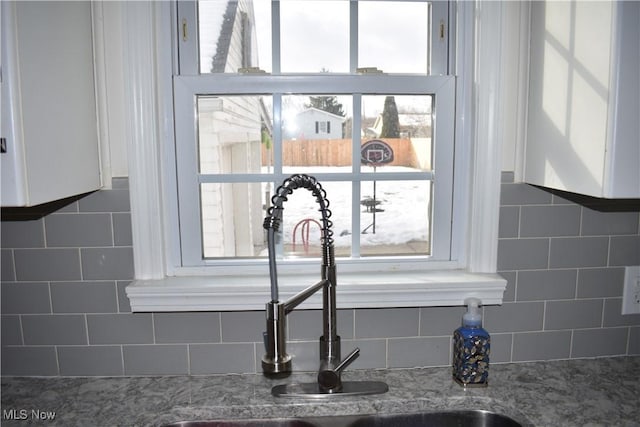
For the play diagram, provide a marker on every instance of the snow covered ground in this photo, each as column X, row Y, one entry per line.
column 404, row 218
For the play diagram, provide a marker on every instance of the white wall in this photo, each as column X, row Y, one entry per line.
column 515, row 63
column 108, row 44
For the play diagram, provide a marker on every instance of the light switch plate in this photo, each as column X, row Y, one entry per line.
column 631, row 292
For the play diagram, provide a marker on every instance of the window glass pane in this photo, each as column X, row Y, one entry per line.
column 394, row 36
column 396, row 131
column 314, row 36
column 395, row 218
column 234, row 134
column 316, row 132
column 301, row 221
column 232, row 216
column 233, row 34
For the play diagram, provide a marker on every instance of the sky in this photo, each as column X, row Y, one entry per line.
column 315, row 35
column 392, row 36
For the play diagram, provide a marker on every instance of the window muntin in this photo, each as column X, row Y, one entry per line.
column 313, row 36
column 353, row 180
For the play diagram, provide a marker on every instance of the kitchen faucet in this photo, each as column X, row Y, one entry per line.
column 276, row 362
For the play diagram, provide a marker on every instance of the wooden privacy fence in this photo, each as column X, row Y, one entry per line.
column 337, row 152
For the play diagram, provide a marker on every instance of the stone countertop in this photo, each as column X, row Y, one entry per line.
column 569, row 393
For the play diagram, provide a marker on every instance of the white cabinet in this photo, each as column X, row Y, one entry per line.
column 48, row 102
column 583, row 126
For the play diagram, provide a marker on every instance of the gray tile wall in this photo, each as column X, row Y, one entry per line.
column 64, row 309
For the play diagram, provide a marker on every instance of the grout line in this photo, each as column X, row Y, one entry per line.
column 55, row 352
column 50, row 298
column 113, row 230
column 13, row 262
column 115, row 282
column 80, row 261
column 386, row 353
column 549, row 253
column 255, row 357
column 571, row 344
column 189, row 359
column 86, row 328
column 628, row 346
column 122, row 358
column 21, row 329
column 153, row 328
column 580, row 223
column 220, row 325
column 353, row 324
column 513, row 339
column 44, row 234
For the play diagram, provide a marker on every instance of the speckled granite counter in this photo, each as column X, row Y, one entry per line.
column 561, row 393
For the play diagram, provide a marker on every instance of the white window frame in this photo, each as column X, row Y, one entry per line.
column 189, row 84
column 159, row 286
column 441, row 87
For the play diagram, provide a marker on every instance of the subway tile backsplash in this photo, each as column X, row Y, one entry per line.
column 65, row 311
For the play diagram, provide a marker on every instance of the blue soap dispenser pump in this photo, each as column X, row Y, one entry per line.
column 471, row 348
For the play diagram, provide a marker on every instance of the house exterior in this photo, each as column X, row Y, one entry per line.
column 229, row 138
column 313, row 123
column 412, row 125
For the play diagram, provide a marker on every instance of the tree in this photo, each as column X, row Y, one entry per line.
column 390, row 120
column 329, row 104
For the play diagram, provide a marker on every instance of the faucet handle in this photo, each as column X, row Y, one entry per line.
column 329, row 378
column 347, row 360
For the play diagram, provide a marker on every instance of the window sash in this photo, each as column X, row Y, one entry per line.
column 187, row 88
column 188, row 51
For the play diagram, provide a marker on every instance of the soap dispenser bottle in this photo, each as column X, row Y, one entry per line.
column 471, row 347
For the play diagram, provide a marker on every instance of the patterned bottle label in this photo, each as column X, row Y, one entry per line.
column 471, row 358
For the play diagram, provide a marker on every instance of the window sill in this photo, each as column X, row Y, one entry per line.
column 408, row 289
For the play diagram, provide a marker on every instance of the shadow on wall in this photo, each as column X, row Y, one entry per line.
column 39, row 211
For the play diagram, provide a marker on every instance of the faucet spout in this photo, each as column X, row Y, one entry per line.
column 274, row 218
column 276, row 361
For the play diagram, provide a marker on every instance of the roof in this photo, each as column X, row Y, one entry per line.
column 310, row 109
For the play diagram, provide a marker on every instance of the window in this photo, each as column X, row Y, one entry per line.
column 323, row 127
column 162, row 111
column 250, row 113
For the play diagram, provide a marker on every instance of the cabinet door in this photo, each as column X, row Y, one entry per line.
column 50, row 124
column 579, row 135
column 623, row 175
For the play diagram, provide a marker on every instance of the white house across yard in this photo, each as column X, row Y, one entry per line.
column 313, row 123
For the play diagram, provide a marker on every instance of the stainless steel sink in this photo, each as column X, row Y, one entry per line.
column 438, row 419
column 453, row 418
column 274, row 422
